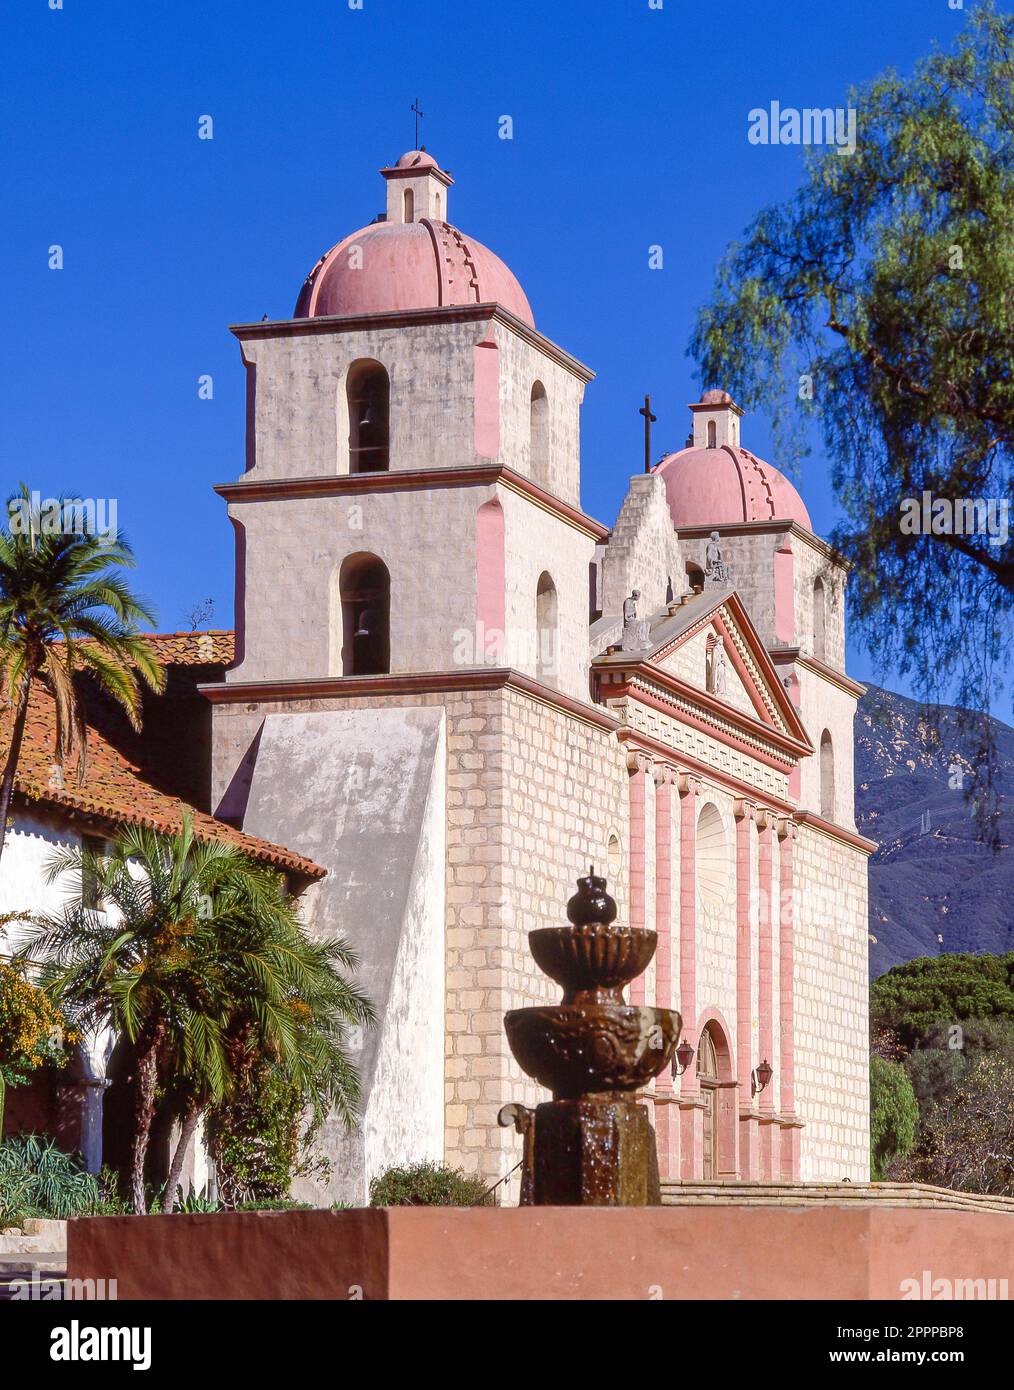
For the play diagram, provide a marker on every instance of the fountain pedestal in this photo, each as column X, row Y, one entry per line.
column 592, row 1144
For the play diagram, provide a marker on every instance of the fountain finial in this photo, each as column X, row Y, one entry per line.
column 591, row 903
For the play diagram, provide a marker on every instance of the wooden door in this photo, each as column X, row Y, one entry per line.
column 707, row 1075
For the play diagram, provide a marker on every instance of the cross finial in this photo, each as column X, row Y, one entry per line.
column 418, row 112
column 649, row 420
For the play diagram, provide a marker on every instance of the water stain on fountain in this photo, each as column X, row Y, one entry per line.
column 592, row 1144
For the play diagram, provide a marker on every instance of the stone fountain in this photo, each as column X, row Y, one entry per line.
column 592, row 1144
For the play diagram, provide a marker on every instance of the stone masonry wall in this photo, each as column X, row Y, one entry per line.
column 831, row 1008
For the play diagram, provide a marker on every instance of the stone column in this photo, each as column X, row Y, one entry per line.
column 768, row 1131
column 666, row 1129
column 789, row 1156
column 691, row 1164
column 96, row 1050
column 745, row 812
column 637, row 766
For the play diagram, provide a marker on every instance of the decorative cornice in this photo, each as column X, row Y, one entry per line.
column 692, row 773
column 773, row 525
column 836, row 832
column 715, row 717
column 830, row 673
column 405, row 683
column 409, row 480
column 407, row 318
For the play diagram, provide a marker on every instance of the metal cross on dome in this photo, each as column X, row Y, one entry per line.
column 418, row 112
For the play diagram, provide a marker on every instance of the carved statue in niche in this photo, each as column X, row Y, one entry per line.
column 716, row 570
column 718, row 671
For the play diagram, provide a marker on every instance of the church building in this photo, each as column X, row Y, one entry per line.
column 454, row 690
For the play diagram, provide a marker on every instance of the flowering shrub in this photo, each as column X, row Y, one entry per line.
column 33, row 1031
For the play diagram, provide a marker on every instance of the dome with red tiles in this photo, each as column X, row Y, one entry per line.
column 411, row 258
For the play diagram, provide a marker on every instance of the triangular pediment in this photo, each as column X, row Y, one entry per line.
column 720, row 653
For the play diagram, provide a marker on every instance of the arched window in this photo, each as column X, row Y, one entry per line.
column 695, row 576
column 712, row 436
column 819, row 612
column 545, row 629
column 826, row 776
column 364, row 584
column 539, row 447
column 409, row 203
column 369, row 398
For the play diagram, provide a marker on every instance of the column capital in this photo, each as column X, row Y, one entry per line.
column 746, row 810
column 663, row 774
column 687, row 784
column 637, row 761
column 786, row 828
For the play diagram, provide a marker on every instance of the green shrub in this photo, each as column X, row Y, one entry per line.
column 38, row 1179
column 259, row 1142
column 426, row 1185
column 894, row 1115
column 275, row 1204
column 938, row 991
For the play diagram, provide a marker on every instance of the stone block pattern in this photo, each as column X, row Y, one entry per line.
column 831, row 1007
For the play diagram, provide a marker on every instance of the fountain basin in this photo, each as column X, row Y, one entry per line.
column 592, row 959
column 586, row 1049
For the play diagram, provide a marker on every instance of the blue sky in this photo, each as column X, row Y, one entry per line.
column 630, row 130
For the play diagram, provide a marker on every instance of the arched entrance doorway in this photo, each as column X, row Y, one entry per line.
column 718, row 1098
column 707, row 1079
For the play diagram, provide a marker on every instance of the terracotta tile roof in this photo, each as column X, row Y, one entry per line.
column 213, row 648
column 118, row 789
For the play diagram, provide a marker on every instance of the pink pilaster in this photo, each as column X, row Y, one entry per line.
column 691, row 1132
column 665, row 1113
column 748, row 1157
column 637, row 765
column 765, row 993
column 789, row 1158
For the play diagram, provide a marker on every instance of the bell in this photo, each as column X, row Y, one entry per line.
column 367, row 416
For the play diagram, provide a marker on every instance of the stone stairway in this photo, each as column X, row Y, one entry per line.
column 920, row 1196
column 36, row 1246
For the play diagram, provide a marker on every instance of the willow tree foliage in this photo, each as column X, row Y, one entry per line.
column 876, row 308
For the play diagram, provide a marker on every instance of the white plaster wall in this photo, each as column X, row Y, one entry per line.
column 294, row 548
column 299, row 385
column 537, row 541
column 362, row 792
column 29, row 845
column 521, row 365
column 824, row 705
column 300, row 417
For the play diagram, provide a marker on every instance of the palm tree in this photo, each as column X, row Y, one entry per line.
column 64, row 609
column 198, row 957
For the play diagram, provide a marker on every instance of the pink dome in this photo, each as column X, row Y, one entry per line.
column 409, row 265
column 706, row 487
column 417, row 159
